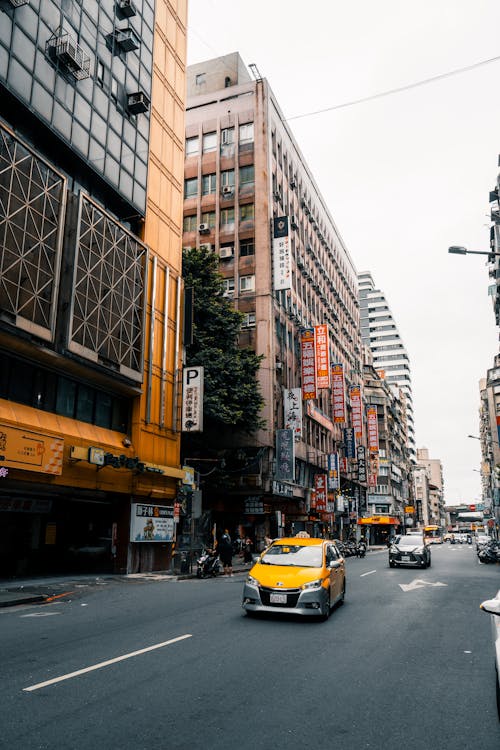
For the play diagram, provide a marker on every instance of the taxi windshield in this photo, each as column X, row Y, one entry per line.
column 294, row 555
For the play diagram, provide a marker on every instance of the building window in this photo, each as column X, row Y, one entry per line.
column 247, row 247
column 114, row 89
column 248, row 320
column 200, row 79
column 228, row 286
column 208, row 183
column 191, row 187
column 247, row 212
column 227, row 217
column 227, row 178
column 209, row 142
column 227, row 82
column 208, row 218
column 192, row 146
column 246, row 133
column 99, row 73
column 189, row 223
column 247, row 283
column 247, row 175
column 227, row 136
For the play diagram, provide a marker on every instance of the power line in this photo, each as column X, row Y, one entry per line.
column 397, row 90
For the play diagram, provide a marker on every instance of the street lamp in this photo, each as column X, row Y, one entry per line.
column 491, row 440
column 458, row 250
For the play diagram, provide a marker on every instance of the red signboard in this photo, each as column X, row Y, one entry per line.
column 322, row 357
column 357, row 413
column 372, row 426
column 320, row 492
column 308, row 364
column 338, row 393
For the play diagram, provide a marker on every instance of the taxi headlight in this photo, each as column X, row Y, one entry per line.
column 252, row 580
column 312, row 584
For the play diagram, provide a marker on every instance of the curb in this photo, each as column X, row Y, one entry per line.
column 10, row 598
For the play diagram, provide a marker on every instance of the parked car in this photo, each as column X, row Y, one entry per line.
column 493, row 607
column 296, row 576
column 410, row 550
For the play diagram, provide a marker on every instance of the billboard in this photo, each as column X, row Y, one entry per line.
column 151, row 523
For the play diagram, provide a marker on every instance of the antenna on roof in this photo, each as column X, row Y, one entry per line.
column 255, row 72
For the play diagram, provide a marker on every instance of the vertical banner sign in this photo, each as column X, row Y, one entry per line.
column 322, row 356
column 192, row 399
column 320, row 491
column 282, row 262
column 343, row 465
column 285, row 456
column 338, row 397
column 349, row 442
column 308, row 364
column 357, row 413
column 361, row 463
column 292, row 404
column 333, row 471
column 372, row 426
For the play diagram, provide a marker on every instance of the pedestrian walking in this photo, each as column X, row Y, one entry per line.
column 247, row 550
column 225, row 550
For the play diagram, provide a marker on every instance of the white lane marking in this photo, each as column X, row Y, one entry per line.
column 467, row 652
column 105, row 663
column 41, row 614
column 367, row 574
column 418, row 583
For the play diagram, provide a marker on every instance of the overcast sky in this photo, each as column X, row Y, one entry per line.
column 404, row 175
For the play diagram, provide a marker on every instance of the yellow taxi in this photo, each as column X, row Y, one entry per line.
column 297, row 575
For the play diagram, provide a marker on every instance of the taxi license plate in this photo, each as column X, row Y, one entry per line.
column 277, row 598
column 405, row 558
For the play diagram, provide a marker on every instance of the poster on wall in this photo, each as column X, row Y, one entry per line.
column 151, row 523
column 282, row 262
column 308, row 364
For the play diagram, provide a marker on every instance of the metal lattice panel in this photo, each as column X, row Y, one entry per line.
column 32, row 203
column 107, row 323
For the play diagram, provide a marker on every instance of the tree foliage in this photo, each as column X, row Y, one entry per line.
column 232, row 397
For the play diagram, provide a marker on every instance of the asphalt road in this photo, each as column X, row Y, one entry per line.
column 394, row 667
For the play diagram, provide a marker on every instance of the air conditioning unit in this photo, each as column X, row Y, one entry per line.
column 293, row 221
column 204, row 229
column 227, row 190
column 138, row 103
column 226, row 252
column 206, row 247
column 65, row 49
column 126, row 8
column 15, row 3
column 293, row 183
column 126, row 39
column 301, row 261
column 228, row 293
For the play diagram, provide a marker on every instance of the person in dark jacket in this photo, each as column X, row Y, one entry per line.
column 225, row 550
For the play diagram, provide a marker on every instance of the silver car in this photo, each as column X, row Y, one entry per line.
column 493, row 607
column 410, row 550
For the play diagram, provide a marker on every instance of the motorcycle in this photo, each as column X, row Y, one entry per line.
column 209, row 564
column 489, row 554
column 360, row 549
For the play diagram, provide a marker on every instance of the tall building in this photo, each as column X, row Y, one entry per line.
column 434, row 469
column 91, row 156
column 380, row 333
column 250, row 197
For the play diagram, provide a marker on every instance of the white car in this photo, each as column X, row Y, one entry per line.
column 493, row 607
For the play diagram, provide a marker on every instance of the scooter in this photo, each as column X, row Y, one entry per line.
column 360, row 549
column 209, row 564
column 489, row 554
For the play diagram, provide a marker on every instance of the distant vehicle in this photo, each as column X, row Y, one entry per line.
column 410, row 550
column 482, row 540
column 433, row 534
column 493, row 607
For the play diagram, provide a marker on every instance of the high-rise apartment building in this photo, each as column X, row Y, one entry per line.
column 245, row 182
column 380, row 333
column 434, row 469
column 92, row 99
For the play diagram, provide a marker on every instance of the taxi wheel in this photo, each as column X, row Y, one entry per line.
column 326, row 614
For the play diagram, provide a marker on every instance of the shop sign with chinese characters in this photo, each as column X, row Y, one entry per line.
column 308, row 364
column 282, row 262
column 320, row 492
column 372, row 424
column 357, row 412
column 192, row 399
column 292, row 406
column 32, row 451
column 338, row 393
column 151, row 523
column 322, row 349
column 285, row 456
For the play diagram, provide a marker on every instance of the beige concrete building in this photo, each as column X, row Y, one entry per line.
column 435, row 513
column 243, row 170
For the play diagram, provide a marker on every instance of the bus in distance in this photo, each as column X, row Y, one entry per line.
column 433, row 534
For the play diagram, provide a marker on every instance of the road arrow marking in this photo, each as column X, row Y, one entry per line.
column 418, row 583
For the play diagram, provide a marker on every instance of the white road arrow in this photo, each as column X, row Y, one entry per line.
column 418, row 583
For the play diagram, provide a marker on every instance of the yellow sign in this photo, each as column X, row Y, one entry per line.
column 409, row 509
column 378, row 520
column 32, row 451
